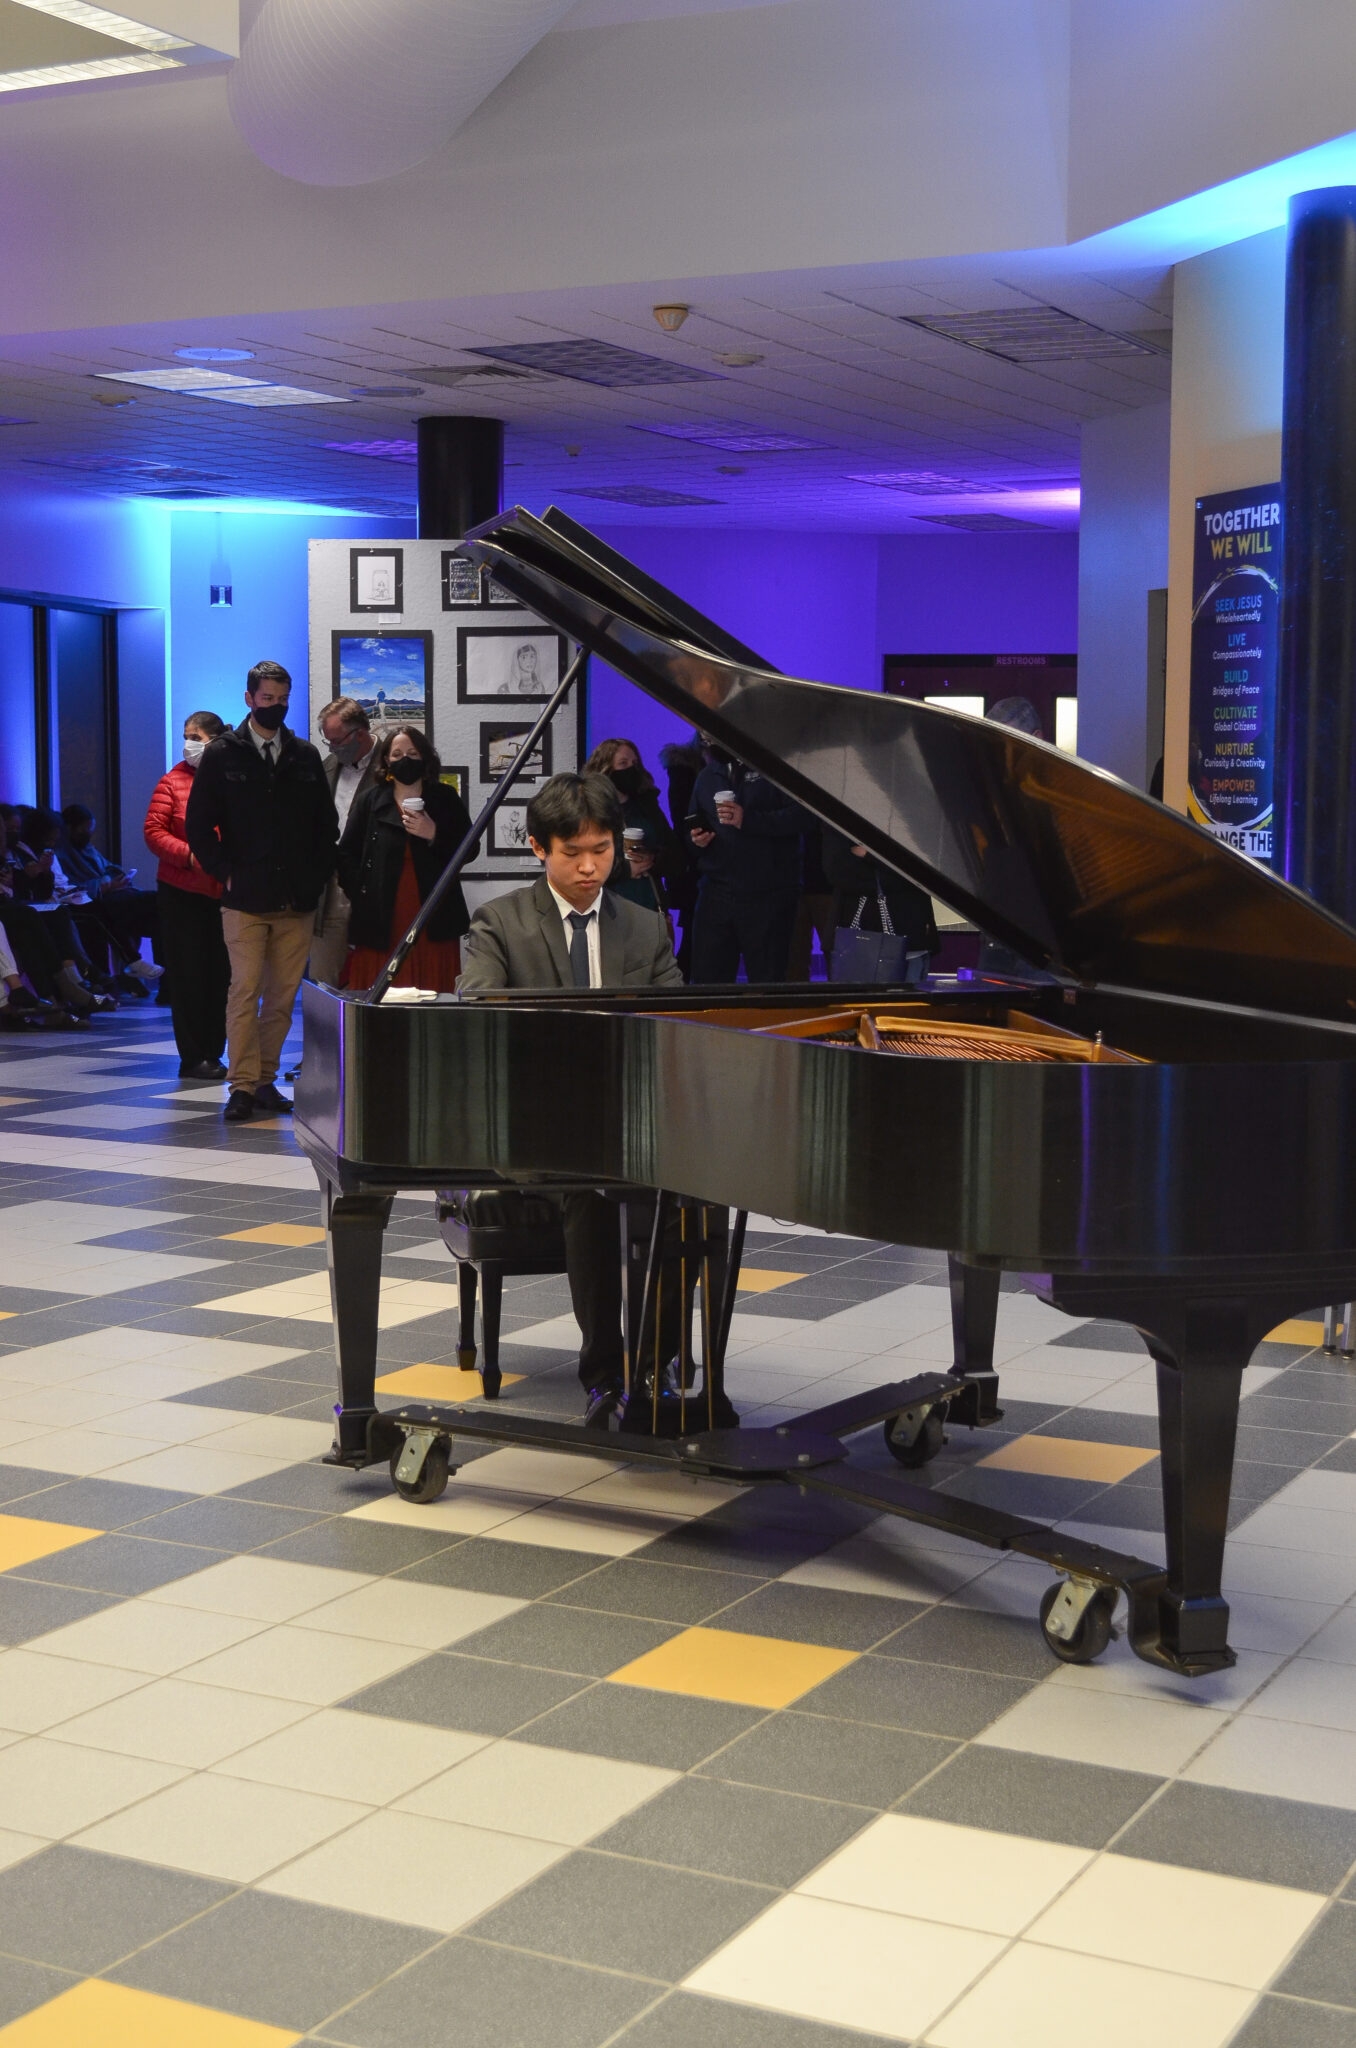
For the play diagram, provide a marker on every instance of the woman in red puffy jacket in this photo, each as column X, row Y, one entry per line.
column 198, row 965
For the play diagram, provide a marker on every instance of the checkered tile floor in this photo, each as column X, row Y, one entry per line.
column 579, row 1755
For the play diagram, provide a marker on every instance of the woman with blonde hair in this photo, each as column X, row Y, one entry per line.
column 643, row 865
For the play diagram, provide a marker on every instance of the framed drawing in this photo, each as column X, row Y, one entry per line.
column 376, row 580
column 499, row 745
column 461, row 584
column 508, row 832
column 494, row 596
column 458, row 779
column 389, row 674
column 524, row 662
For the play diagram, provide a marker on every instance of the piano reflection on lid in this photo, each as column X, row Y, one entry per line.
column 1161, row 1133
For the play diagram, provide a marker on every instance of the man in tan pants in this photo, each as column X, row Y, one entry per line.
column 261, row 819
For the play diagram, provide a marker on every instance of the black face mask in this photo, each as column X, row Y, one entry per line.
column 408, row 769
column 627, row 781
column 268, row 716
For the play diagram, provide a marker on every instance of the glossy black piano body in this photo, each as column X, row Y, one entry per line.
column 1201, row 1189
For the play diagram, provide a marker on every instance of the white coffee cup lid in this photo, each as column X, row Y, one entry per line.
column 725, row 796
column 411, row 803
column 634, row 832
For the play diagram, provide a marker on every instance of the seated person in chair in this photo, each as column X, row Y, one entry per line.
column 566, row 931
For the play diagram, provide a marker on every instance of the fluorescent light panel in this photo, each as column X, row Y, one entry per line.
column 733, row 436
column 194, row 378
column 247, row 393
column 76, row 74
column 103, row 23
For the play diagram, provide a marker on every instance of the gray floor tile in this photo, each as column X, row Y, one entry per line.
column 484, row 1997
column 80, row 1910
column 519, row 1571
column 1100, row 1426
column 449, row 1691
column 1286, row 2023
column 1103, row 1337
column 1031, row 1494
column 118, row 1564
column 814, row 1614
column 313, row 1368
column 17, row 1483
column 1126, row 1507
column 227, row 1524
column 248, row 1394
column 1325, row 1968
column 1033, row 1795
column 684, row 2020
column 925, row 1697
column 734, row 1831
column 276, row 1960
column 641, row 1727
column 329, row 1489
column 28, row 1609
column 841, row 1760
column 659, row 1592
column 101, row 1503
column 25, row 1985
column 978, row 1641
column 623, row 1915
column 567, row 1639
column 760, row 1553
column 1342, row 1458
column 1244, row 1834
column 357, row 1546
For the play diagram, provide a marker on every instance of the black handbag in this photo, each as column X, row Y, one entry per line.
column 870, row 958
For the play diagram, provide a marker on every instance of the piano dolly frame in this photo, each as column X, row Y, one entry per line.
column 1076, row 1612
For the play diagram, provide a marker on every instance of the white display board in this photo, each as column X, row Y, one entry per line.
column 421, row 638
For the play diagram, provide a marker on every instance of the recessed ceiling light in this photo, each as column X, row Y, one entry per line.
column 102, row 22
column 735, row 437
column 215, row 355
column 177, row 380
column 77, row 74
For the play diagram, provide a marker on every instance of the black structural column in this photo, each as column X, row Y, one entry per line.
column 1316, row 697
column 461, row 474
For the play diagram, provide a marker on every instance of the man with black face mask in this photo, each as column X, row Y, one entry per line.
column 262, row 821
column 349, row 756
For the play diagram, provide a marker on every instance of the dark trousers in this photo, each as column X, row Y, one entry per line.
column 730, row 927
column 199, row 971
column 42, row 940
column 117, row 923
column 593, row 1262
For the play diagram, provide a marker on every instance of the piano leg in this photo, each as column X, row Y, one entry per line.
column 354, row 1226
column 1199, row 1382
column 467, row 1285
column 974, row 1321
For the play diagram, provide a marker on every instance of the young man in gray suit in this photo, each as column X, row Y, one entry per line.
column 565, row 931
column 349, row 758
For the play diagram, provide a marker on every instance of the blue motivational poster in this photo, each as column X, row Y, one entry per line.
column 1235, row 619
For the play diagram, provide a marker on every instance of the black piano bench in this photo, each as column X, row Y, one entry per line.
column 491, row 1232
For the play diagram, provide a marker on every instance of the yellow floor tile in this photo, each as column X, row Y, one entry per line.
column 1295, row 1332
column 99, row 2015
column 6, row 1313
column 437, row 1383
column 1063, row 1457
column 276, row 1233
column 23, row 1540
column 758, row 1280
column 13, row 1101
column 751, row 1671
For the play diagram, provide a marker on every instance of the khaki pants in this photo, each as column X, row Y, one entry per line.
column 329, row 944
column 268, row 959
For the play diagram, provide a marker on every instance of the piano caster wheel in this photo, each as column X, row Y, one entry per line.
column 924, row 1446
column 430, row 1478
column 1077, row 1637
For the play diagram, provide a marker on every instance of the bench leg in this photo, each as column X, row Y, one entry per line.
column 491, row 1303
column 466, row 1305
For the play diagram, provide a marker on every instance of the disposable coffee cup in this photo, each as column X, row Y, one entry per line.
column 411, row 803
column 634, row 835
column 726, row 796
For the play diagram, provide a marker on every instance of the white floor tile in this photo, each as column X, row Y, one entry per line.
column 554, row 1795
column 1113, row 1729
column 1262, row 1568
column 931, row 1870
column 219, row 1827
column 846, row 1966
column 544, row 1474
column 38, row 1692
column 464, row 1510
column 1030, row 2000
column 1315, row 1693
column 153, row 1379
column 1262, row 1621
column 260, row 1588
column 51, row 1788
column 1287, row 1759
column 193, row 1468
column 281, row 1437
column 176, row 1723
column 140, row 1635
column 425, row 1873
column 1301, row 1528
column 1335, row 1643
column 1193, row 1921
column 669, row 1493
column 162, row 1422
column 14, row 1847
column 1135, row 1396
column 1119, row 1670
column 403, row 1611
column 575, row 1525
column 19, row 1432
column 336, row 1751
column 303, row 1664
column 68, row 1405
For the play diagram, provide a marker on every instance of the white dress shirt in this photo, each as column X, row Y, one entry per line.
column 595, row 941
column 346, row 788
column 264, row 740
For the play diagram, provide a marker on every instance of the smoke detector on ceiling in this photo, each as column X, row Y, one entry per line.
column 739, row 359
column 670, row 318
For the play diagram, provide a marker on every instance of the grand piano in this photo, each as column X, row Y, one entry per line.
column 1160, row 1129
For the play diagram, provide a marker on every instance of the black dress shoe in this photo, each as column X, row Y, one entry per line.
column 203, row 1070
column 600, row 1404
column 269, row 1102
column 240, row 1108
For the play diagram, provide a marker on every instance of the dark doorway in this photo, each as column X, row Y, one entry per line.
column 84, row 698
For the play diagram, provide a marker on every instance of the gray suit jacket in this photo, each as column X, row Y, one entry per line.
column 518, row 941
column 331, row 896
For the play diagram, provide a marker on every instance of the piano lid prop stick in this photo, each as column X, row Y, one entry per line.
column 466, row 850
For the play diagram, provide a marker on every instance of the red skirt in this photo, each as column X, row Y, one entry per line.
column 430, row 963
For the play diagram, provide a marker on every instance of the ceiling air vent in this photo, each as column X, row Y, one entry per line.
column 139, row 471
column 1035, row 334
column 639, row 494
column 384, row 451
column 733, row 436
column 927, row 483
column 595, row 362
column 477, row 373
column 984, row 522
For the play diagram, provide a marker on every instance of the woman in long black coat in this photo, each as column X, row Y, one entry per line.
column 400, row 835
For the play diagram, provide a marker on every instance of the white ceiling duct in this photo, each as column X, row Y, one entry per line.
column 344, row 92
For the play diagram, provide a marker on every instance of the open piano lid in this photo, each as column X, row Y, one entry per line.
column 1075, row 870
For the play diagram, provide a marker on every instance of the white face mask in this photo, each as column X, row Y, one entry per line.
column 194, row 751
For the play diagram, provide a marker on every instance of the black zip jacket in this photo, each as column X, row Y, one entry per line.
column 268, row 838
column 372, row 854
